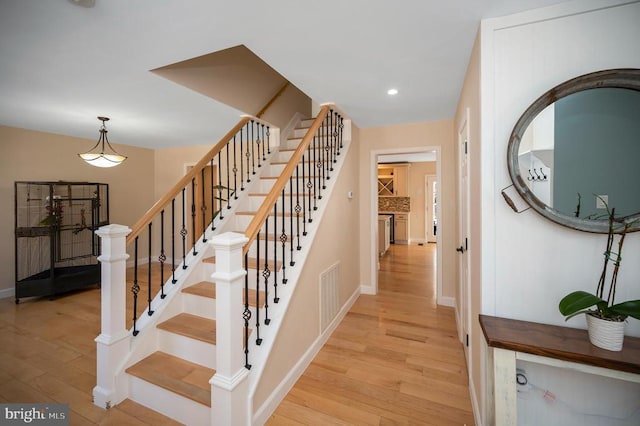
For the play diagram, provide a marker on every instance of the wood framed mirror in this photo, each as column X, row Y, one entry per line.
column 577, row 145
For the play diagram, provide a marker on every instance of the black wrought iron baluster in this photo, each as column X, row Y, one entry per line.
column 135, row 288
column 193, row 215
column 336, row 120
column 276, row 299
column 332, row 136
column 291, row 230
column 162, row 257
column 203, row 207
column 258, row 143
column 149, row 311
column 220, row 189
column 298, row 208
column 246, row 315
column 183, row 231
column 173, row 241
column 310, row 182
column 257, row 265
column 268, row 141
column 228, row 182
column 264, row 142
column 266, row 273
column 235, row 170
column 326, row 155
column 341, row 131
column 304, row 199
column 213, row 196
column 317, row 145
column 248, row 155
column 253, row 155
column 283, row 238
column 241, row 163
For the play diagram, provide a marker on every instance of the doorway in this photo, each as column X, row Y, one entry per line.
column 410, row 155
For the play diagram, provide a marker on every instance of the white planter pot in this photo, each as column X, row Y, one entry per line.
column 605, row 334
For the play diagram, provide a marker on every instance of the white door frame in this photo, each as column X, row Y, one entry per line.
column 373, row 182
column 464, row 290
column 428, row 207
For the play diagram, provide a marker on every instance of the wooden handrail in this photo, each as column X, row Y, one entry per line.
column 141, row 224
column 261, row 215
column 273, row 99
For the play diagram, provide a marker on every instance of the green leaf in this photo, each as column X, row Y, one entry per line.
column 630, row 308
column 577, row 301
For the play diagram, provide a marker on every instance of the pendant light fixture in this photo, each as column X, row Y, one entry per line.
column 97, row 156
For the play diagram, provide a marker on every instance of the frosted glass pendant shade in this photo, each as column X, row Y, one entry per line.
column 100, row 158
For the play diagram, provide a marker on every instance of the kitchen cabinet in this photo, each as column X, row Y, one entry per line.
column 401, row 228
column 393, row 180
column 384, row 233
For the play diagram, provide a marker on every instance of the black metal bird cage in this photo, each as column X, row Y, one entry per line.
column 56, row 248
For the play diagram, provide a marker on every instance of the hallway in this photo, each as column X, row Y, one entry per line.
column 394, row 359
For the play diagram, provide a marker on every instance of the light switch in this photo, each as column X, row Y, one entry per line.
column 601, row 200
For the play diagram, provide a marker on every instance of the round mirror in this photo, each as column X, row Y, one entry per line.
column 576, row 150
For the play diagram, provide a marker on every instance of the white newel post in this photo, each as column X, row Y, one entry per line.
column 229, row 386
column 114, row 339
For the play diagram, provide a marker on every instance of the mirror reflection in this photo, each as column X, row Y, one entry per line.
column 585, row 145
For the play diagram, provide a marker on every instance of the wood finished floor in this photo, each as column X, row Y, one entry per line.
column 394, row 360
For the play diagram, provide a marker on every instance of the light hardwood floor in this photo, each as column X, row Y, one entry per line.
column 394, row 360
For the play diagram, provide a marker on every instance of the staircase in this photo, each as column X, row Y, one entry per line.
column 172, row 358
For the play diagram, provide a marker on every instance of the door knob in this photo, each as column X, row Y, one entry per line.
column 460, row 249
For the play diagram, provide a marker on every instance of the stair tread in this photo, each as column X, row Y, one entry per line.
column 208, row 289
column 176, row 375
column 203, row 288
column 192, row 326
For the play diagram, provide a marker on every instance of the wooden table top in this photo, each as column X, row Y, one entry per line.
column 567, row 344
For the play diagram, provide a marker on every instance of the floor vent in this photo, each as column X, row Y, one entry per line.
column 329, row 295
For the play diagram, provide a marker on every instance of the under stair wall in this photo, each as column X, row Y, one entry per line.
column 299, row 337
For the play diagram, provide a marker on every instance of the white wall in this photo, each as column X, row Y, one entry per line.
column 528, row 262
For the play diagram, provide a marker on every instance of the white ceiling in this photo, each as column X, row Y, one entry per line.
column 61, row 65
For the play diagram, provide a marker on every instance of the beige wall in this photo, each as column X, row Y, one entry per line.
column 335, row 241
column 431, row 134
column 170, row 165
column 239, row 78
column 29, row 155
column 417, row 187
column 290, row 102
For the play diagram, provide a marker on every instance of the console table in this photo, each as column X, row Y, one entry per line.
column 510, row 340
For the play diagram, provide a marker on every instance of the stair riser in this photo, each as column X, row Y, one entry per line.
column 302, row 199
column 199, row 305
column 253, row 276
column 300, row 132
column 242, row 221
column 179, row 408
column 187, row 348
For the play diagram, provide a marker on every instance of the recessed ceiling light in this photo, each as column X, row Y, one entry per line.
column 392, row 92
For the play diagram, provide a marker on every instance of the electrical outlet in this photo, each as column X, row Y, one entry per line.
column 602, row 201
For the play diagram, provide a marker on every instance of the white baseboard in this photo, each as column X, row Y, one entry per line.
column 475, row 406
column 446, row 301
column 5, row 293
column 368, row 290
column 263, row 413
